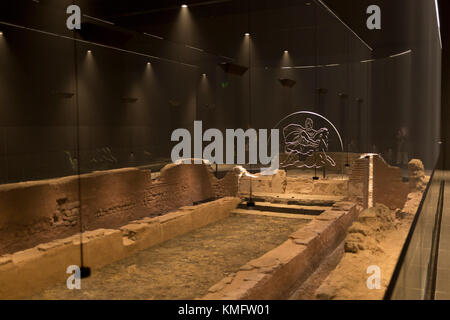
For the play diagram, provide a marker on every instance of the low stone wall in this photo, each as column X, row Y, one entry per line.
column 309, row 186
column 25, row 273
column 340, row 159
column 148, row 232
column 260, row 183
column 273, row 275
column 37, row 212
column 280, row 183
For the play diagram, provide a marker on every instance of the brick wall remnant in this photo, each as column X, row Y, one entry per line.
column 388, row 186
column 42, row 211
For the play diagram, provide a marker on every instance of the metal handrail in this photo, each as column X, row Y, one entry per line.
column 406, row 246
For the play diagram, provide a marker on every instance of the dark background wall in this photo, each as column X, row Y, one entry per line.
column 131, row 108
column 445, row 28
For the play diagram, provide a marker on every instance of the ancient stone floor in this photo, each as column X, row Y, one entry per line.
column 185, row 267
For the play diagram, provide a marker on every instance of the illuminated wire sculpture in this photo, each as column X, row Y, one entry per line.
column 306, row 146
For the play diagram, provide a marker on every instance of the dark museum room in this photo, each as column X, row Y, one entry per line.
column 262, row 150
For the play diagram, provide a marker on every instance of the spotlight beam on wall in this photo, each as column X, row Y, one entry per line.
column 107, row 20
column 99, row 45
column 171, row 8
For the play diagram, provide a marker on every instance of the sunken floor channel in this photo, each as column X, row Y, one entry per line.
column 285, row 208
column 185, row 267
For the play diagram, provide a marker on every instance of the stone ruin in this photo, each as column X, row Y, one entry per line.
column 122, row 206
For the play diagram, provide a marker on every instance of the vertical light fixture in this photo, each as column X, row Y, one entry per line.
column 316, row 77
column 438, row 21
column 85, row 270
column 346, row 106
column 250, row 203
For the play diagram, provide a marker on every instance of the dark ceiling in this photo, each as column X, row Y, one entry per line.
column 396, row 15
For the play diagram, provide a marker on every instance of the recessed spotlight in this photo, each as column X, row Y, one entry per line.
column 247, row 34
column 1, row 33
column 286, row 51
column 149, row 64
column 204, row 75
column 184, row 6
column 89, row 51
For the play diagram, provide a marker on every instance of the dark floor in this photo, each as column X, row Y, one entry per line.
column 185, row 267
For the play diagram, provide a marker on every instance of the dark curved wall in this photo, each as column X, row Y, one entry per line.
column 132, row 108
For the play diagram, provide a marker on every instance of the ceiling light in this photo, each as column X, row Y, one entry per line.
column 286, row 51
column 89, row 51
column 184, row 6
column 247, row 34
column 1, row 33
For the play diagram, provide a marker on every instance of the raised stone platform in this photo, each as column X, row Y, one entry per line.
column 297, row 199
column 273, row 275
column 26, row 272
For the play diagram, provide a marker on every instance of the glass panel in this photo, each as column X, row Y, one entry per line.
column 91, row 118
